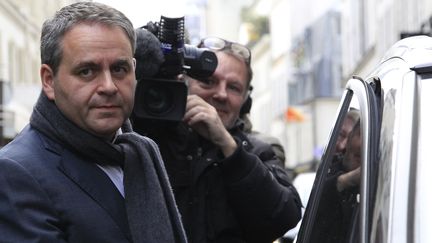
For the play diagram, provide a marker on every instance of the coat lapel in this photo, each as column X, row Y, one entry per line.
column 93, row 181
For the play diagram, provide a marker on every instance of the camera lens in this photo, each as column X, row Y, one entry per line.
column 158, row 100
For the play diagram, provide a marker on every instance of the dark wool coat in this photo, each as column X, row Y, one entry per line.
column 246, row 197
column 49, row 194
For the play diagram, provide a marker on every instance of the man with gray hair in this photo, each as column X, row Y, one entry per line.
column 77, row 173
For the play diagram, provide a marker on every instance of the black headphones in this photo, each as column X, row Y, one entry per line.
column 247, row 105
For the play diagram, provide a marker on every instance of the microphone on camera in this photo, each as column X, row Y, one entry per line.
column 148, row 54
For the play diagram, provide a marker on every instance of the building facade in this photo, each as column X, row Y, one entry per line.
column 304, row 61
column 20, row 59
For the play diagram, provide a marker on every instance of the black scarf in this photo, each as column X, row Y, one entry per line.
column 152, row 212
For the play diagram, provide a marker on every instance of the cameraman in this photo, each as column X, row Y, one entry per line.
column 228, row 189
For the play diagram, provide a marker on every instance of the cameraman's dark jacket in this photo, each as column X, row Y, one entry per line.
column 246, row 197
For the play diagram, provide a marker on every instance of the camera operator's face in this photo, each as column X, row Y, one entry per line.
column 353, row 155
column 95, row 83
column 225, row 89
column 341, row 143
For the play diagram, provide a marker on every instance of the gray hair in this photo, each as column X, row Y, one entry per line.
column 53, row 30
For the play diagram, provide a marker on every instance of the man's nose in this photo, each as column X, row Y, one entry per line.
column 107, row 85
column 221, row 91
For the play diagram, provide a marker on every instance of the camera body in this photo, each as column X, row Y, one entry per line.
column 161, row 97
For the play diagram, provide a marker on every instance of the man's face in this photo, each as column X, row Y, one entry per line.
column 352, row 158
column 225, row 89
column 95, row 83
column 341, row 143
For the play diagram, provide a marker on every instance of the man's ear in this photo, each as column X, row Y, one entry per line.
column 47, row 77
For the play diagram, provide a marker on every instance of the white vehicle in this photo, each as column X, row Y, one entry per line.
column 389, row 199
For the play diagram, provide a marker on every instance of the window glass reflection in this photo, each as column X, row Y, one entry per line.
column 336, row 213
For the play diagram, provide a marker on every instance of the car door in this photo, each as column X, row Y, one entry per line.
column 341, row 198
column 391, row 198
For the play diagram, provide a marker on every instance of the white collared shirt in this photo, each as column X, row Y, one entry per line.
column 115, row 173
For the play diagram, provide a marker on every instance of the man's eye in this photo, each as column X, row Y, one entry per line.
column 207, row 81
column 119, row 69
column 85, row 72
column 235, row 89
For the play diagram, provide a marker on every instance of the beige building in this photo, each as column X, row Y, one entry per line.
column 20, row 59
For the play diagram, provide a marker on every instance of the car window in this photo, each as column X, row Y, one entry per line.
column 336, row 213
column 333, row 212
column 335, row 197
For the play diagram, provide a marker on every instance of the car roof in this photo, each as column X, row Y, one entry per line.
column 416, row 51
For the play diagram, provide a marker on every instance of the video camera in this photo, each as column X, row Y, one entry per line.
column 161, row 97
